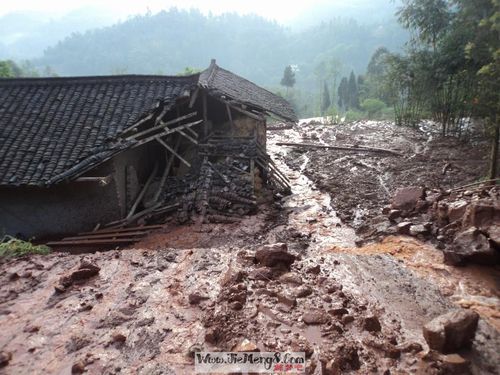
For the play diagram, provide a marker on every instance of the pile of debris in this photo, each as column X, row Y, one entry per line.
column 463, row 222
column 223, row 182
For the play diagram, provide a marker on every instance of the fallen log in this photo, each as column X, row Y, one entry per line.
column 355, row 149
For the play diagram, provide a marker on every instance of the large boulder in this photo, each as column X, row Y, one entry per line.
column 452, row 331
column 406, row 199
column 481, row 214
column 472, row 246
column 275, row 255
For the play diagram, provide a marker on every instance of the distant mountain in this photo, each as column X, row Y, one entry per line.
column 252, row 46
column 363, row 11
column 25, row 35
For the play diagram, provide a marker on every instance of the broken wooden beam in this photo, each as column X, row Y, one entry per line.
column 162, row 125
column 130, row 229
column 93, row 242
column 344, row 148
column 164, row 144
column 109, row 235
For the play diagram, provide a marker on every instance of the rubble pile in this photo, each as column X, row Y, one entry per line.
column 465, row 224
column 222, row 184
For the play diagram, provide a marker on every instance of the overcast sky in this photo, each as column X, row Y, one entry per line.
column 280, row 10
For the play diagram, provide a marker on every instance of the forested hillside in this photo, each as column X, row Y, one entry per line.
column 249, row 45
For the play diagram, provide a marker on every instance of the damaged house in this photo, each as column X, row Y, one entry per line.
column 76, row 152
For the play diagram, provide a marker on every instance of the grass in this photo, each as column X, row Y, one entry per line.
column 13, row 247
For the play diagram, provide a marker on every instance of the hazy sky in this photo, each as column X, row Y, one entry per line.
column 280, row 10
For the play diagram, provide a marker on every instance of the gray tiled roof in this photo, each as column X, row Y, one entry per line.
column 221, row 82
column 54, row 128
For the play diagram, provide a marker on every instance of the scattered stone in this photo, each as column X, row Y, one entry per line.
column 315, row 317
column 275, row 255
column 415, row 230
column 196, row 298
column 404, row 227
column 85, row 271
column 456, row 210
column 338, row 311
column 5, row 358
column 291, row 278
column 78, row 368
column 315, row 270
column 287, row 299
column 212, row 335
column 346, row 319
column 411, row 347
column 471, row 246
column 371, row 324
column 455, row 364
column 394, row 214
column 246, row 346
column 451, row 331
column 261, row 273
column 481, row 215
column 236, row 305
column 406, row 198
column 303, row 291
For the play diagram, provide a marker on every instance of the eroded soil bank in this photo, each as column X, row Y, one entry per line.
column 147, row 309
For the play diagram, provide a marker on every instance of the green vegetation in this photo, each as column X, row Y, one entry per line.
column 373, row 107
column 13, row 247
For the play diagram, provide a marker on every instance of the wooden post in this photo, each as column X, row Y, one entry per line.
column 143, row 191
column 231, row 123
column 205, row 114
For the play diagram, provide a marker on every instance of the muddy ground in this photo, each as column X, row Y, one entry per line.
column 355, row 310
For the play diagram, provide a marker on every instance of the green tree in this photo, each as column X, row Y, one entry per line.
column 372, row 107
column 353, row 92
column 325, row 100
column 343, row 94
column 288, row 79
column 9, row 69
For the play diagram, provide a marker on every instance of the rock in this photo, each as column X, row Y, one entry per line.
column 404, row 227
column 275, row 255
column 315, row 270
column 456, row 210
column 471, row 246
column 394, row 214
column 212, row 335
column 493, row 233
column 411, row 347
column 338, row 311
column 455, row 364
column 302, row 291
column 236, row 305
column 85, row 271
column 371, row 324
column 315, row 317
column 287, row 299
column 196, row 298
column 481, row 214
column 406, row 199
column 5, row 358
column 346, row 319
column 415, row 230
column 261, row 273
column 246, row 346
column 452, row 331
column 291, row 278
column 78, row 368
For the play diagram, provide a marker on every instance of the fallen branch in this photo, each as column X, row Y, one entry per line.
column 475, row 183
column 355, row 149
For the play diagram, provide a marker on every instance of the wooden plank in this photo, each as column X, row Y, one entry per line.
column 138, row 123
column 161, row 126
column 107, row 235
column 167, row 171
column 205, row 116
column 122, row 230
column 194, row 97
column 188, row 137
column 143, row 191
column 230, row 116
column 173, row 151
column 166, row 132
column 93, row 242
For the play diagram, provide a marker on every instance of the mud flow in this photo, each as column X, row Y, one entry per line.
column 311, row 272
